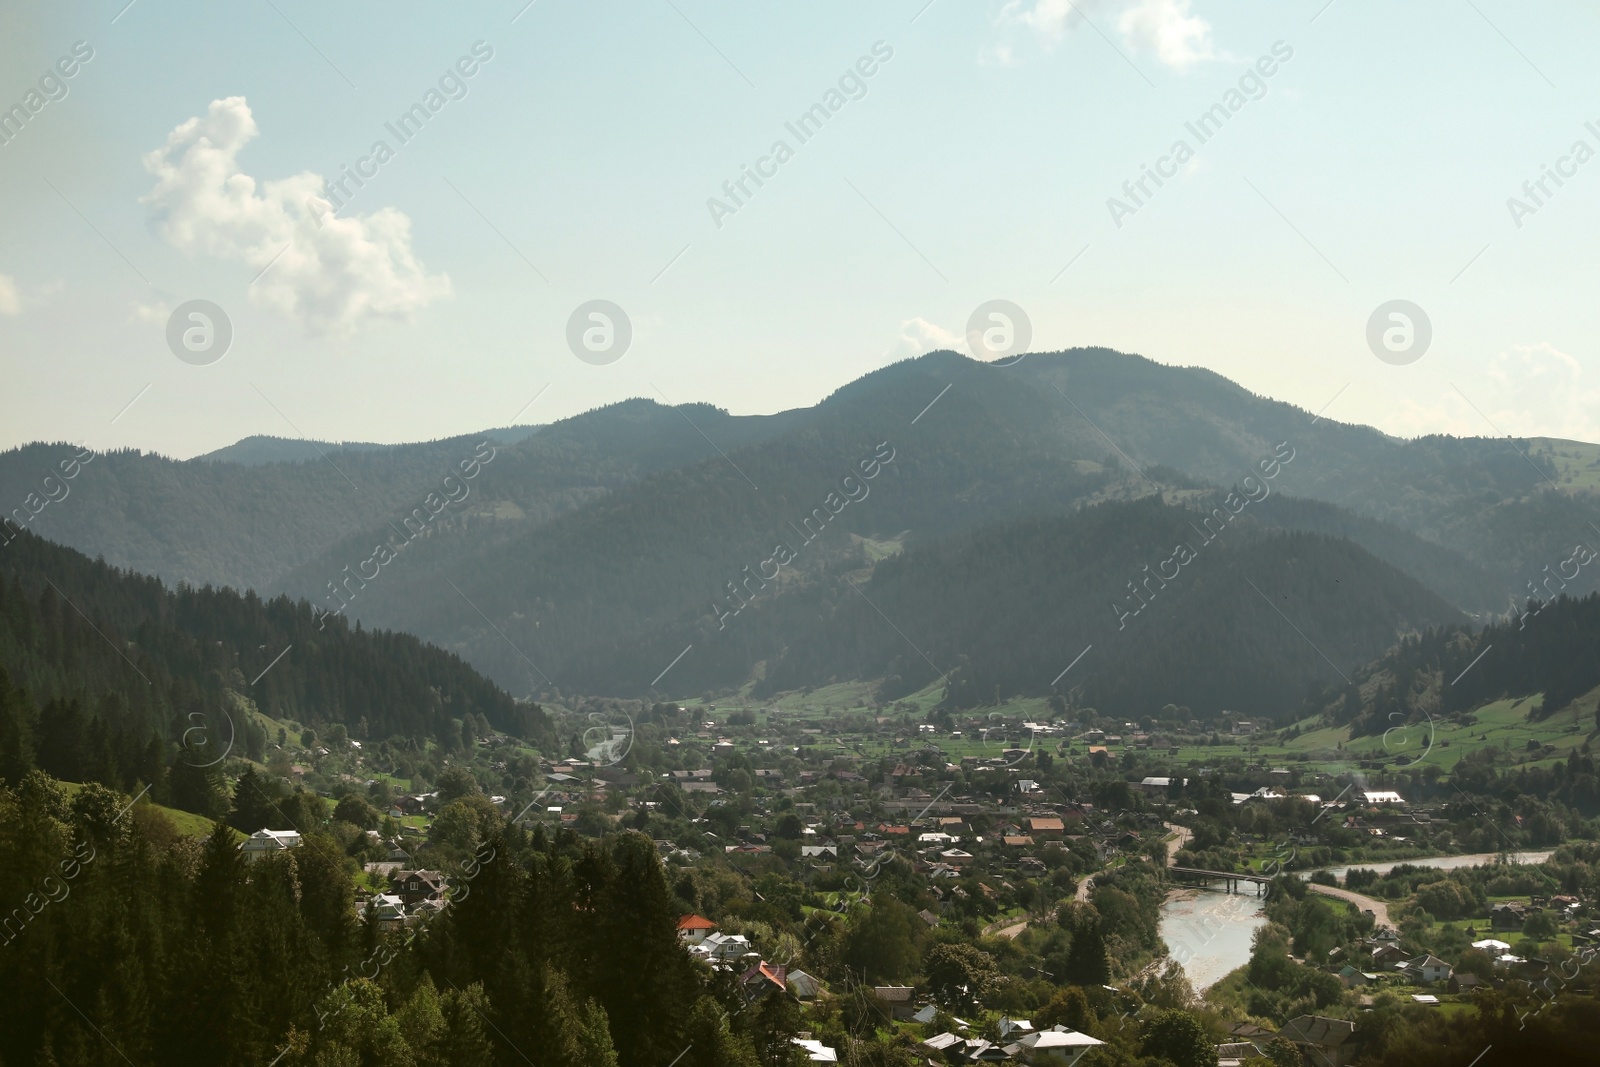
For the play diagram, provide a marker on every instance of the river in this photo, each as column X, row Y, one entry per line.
column 1209, row 932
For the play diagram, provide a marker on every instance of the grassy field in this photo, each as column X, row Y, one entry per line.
column 1577, row 463
column 1503, row 725
column 187, row 822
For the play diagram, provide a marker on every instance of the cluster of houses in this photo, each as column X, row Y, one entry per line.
column 412, row 896
column 1320, row 1040
column 1019, row 1041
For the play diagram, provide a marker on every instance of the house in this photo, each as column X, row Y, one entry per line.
column 1382, row 797
column 763, row 978
column 264, row 843
column 413, row 887
column 1016, row 840
column 1429, row 969
column 895, row 1000
column 1014, row 1028
column 1387, row 955
column 816, row 1051
column 956, row 857
column 1233, row 1053
column 939, row 1044
column 1058, row 1045
column 1425, row 999
column 1321, row 1040
column 694, row 928
column 803, row 985
column 723, row 948
column 1046, row 827
column 1464, row 981
column 1159, row 786
column 988, row 1052
column 1507, row 916
column 1352, row 978
column 386, row 908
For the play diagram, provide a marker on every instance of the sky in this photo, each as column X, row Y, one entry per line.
column 560, row 154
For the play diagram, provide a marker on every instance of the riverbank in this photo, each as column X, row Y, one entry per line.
column 1209, row 933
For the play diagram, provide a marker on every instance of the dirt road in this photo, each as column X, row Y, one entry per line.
column 1177, row 843
column 1379, row 909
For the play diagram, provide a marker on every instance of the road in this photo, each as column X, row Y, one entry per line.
column 1014, row 930
column 1177, row 843
column 1380, row 910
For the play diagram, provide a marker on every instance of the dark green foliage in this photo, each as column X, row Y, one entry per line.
column 182, row 953
column 1178, row 1038
column 959, row 976
column 111, row 677
column 884, row 941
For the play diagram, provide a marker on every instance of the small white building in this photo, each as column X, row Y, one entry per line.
column 1382, row 797
column 268, row 843
column 1059, row 1045
column 816, row 1051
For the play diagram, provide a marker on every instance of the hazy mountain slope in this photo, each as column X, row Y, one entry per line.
column 1005, row 610
column 1465, row 584
column 247, row 526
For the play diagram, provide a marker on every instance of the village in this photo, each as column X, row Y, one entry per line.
column 781, row 827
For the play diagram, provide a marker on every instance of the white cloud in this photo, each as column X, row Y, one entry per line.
column 156, row 313
column 919, row 336
column 1531, row 391
column 1164, row 28
column 329, row 277
column 10, row 297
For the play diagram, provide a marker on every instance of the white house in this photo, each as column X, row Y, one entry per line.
column 816, row 1051
column 1059, row 1045
column 386, row 908
column 1382, row 797
column 268, row 843
column 723, row 947
column 1430, row 969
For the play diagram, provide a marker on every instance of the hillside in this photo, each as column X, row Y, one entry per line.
column 1551, row 650
column 108, row 674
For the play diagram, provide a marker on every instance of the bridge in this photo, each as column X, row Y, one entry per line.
column 1232, row 880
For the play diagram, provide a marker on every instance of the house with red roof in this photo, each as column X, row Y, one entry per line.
column 694, row 928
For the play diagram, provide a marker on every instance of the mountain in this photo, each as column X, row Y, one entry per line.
column 105, row 674
column 247, row 525
column 1255, row 620
column 262, row 448
column 588, row 555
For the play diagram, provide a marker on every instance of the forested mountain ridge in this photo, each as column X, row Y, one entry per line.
column 264, row 519
column 107, row 674
column 248, row 525
column 1253, row 618
column 589, row 554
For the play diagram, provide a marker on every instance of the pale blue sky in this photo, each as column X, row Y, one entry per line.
column 976, row 166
